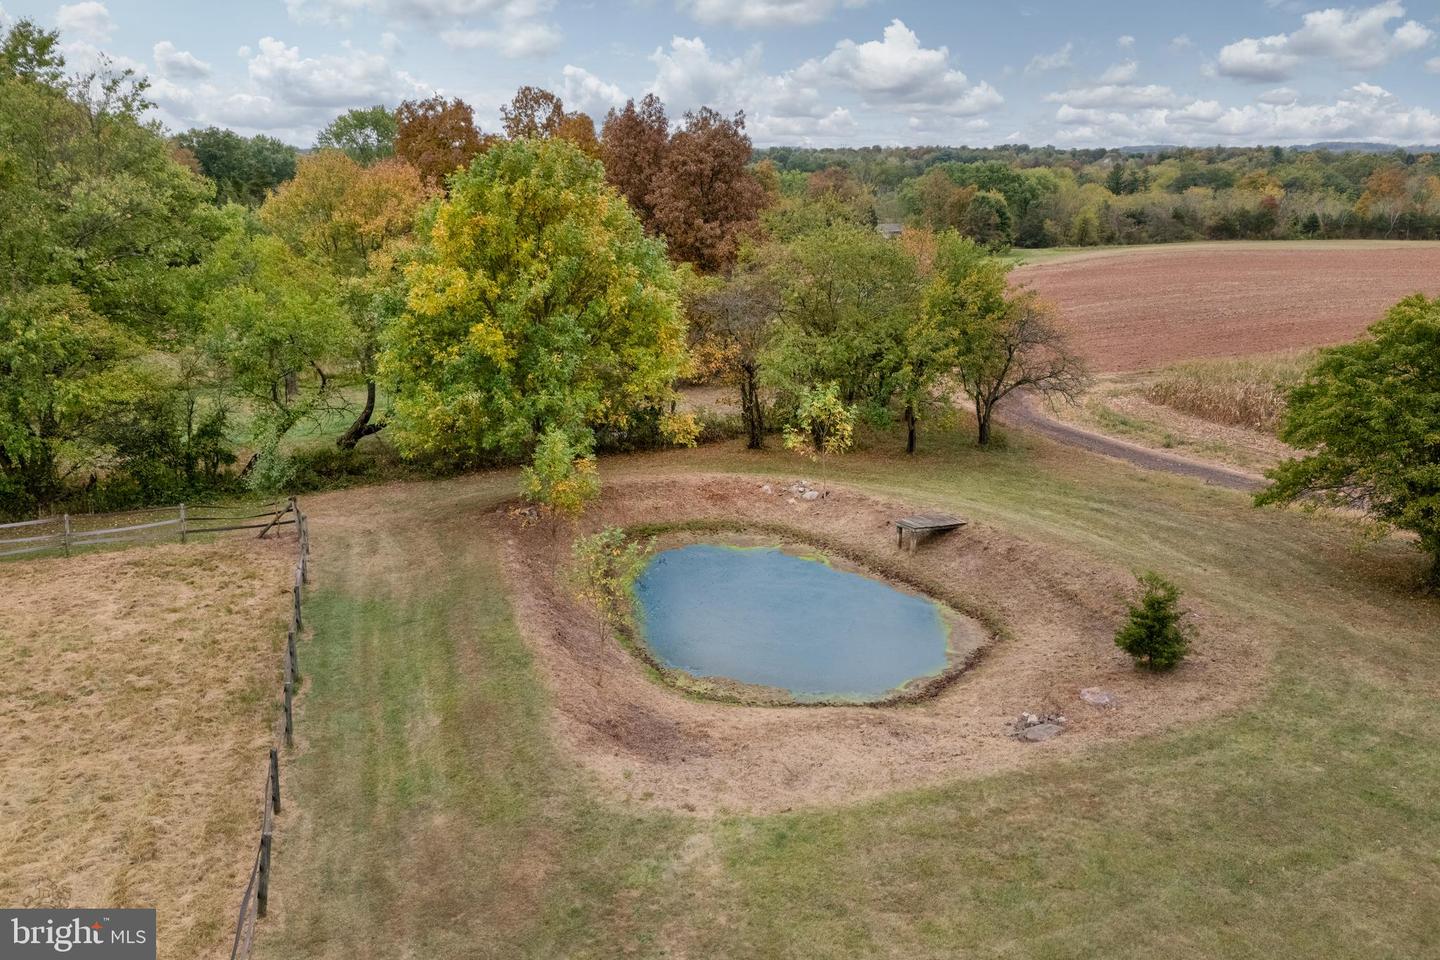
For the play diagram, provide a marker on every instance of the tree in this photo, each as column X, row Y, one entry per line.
column 1003, row 341
column 353, row 222
column 244, row 169
column 579, row 129
column 562, row 479
column 633, row 143
column 606, row 566
column 1153, row 632
column 733, row 321
column 273, row 325
column 1369, row 412
column 849, row 296
column 533, row 112
column 705, row 199
column 437, row 137
column 538, row 303
column 28, row 52
column 365, row 134
column 823, row 425
column 100, row 228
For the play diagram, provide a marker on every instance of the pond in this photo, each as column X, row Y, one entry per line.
column 764, row 617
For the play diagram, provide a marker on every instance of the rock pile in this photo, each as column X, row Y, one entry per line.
column 795, row 492
column 1037, row 728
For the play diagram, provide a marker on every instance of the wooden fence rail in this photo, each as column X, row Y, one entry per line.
column 72, row 532
column 255, row 901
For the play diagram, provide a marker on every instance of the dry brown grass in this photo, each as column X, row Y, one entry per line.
column 1246, row 392
column 135, row 709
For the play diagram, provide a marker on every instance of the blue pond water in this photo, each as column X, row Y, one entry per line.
column 762, row 616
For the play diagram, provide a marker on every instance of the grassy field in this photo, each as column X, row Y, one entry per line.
column 438, row 818
column 137, row 703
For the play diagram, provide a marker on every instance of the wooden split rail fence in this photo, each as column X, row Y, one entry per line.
column 67, row 532
column 256, row 898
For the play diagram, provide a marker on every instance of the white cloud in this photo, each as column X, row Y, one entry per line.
column 1265, row 59
column 1042, row 62
column 89, row 21
column 285, row 93
column 1125, row 42
column 1116, row 96
column 1433, row 65
column 896, row 71
column 513, row 28
column 1365, row 111
column 528, row 38
column 1357, row 39
column 1182, row 42
column 1120, row 72
column 687, row 76
column 582, row 90
column 1280, row 96
column 178, row 64
column 765, row 13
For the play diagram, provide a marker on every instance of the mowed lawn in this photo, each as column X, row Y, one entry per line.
column 431, row 814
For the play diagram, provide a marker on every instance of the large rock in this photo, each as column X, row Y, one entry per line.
column 1097, row 697
column 1041, row 732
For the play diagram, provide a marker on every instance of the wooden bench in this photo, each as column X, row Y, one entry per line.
column 924, row 523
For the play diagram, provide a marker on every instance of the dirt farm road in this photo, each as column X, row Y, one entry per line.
column 1024, row 411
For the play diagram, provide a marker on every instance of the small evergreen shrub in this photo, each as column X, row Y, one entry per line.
column 1153, row 633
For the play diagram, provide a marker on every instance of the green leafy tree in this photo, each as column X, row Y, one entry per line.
column 365, row 134
column 1369, row 412
column 355, row 222
column 562, row 478
column 1154, row 633
column 273, row 325
column 823, row 425
column 1003, row 340
column 244, row 169
column 849, row 296
column 606, row 566
column 100, row 226
column 537, row 303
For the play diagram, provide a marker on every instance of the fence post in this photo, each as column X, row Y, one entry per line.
column 182, row 523
column 292, row 661
column 299, row 621
column 275, row 779
column 262, row 890
column 65, row 538
column 289, row 715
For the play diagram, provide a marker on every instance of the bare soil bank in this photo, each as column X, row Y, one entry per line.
column 1056, row 610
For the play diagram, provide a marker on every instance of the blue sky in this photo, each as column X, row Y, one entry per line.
column 817, row 72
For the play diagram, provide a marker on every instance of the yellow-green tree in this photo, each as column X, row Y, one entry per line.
column 537, row 304
column 355, row 222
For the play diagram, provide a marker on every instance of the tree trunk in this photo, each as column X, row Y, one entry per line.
column 984, row 421
column 750, row 410
column 910, row 428
column 362, row 427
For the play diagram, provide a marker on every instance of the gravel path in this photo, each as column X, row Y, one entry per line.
column 1021, row 410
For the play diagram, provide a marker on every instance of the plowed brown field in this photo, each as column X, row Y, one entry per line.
column 1139, row 308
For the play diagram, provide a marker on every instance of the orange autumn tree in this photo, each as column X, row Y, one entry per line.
column 355, row 223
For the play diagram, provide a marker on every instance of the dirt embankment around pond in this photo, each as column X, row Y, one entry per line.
column 1056, row 613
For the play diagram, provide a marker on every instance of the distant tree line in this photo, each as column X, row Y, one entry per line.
column 1045, row 197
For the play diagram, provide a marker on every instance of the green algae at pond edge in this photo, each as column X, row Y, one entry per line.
column 767, row 619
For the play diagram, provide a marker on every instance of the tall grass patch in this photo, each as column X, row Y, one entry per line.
column 1241, row 392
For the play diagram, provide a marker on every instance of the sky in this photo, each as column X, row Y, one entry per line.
column 806, row 72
